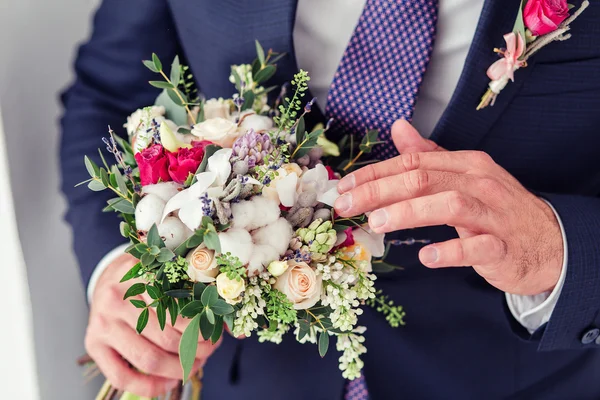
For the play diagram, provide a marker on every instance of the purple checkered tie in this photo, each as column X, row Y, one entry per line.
column 378, row 79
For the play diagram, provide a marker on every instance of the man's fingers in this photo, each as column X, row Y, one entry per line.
column 446, row 208
column 143, row 354
column 123, row 377
column 460, row 162
column 476, row 250
column 393, row 189
column 408, row 140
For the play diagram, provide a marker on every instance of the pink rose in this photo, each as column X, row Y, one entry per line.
column 153, row 164
column 544, row 16
column 300, row 284
column 185, row 162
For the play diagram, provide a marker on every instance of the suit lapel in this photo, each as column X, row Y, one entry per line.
column 461, row 126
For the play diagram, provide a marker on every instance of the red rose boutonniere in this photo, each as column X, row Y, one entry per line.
column 539, row 22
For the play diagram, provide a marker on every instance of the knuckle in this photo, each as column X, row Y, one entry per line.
column 370, row 172
column 490, row 186
column 481, row 158
column 372, row 191
column 410, row 161
column 416, row 181
column 457, row 203
column 406, row 211
column 148, row 361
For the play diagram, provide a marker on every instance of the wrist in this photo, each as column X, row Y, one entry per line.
column 551, row 250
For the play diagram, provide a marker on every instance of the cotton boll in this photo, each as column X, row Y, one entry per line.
column 173, row 232
column 266, row 211
column 148, row 212
column 277, row 235
column 262, row 256
column 164, row 190
column 243, row 214
column 238, row 242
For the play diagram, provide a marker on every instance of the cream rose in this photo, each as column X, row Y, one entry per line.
column 300, row 284
column 277, row 268
column 282, row 188
column 216, row 108
column 202, row 264
column 220, row 131
column 230, row 289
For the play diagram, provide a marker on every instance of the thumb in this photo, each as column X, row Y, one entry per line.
column 408, row 140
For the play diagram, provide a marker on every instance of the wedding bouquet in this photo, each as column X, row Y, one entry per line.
column 228, row 207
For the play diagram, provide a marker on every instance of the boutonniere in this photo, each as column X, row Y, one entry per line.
column 539, row 23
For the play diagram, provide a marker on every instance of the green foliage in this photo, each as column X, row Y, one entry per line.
column 280, row 308
column 175, row 270
column 135, row 290
column 142, row 320
column 323, row 343
column 307, row 143
column 394, row 315
column 134, row 272
column 188, row 346
column 231, row 266
column 209, row 296
column 289, row 110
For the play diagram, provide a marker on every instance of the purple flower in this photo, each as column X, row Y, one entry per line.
column 252, row 147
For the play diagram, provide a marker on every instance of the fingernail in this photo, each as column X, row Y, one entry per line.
column 429, row 255
column 343, row 203
column 347, row 183
column 378, row 218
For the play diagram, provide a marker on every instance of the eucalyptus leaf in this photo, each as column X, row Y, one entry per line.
column 265, row 74
column 123, row 206
column 91, row 167
column 147, row 259
column 175, row 71
column 210, row 315
column 211, row 240
column 206, row 327
column 188, row 346
column 154, row 238
column 175, row 94
column 248, row 100
column 174, row 112
column 300, row 130
column 157, row 63
column 218, row 329
column 221, row 307
column 135, row 290
column 323, row 343
column 121, row 184
column 260, row 52
column 228, row 319
column 198, row 289
column 209, row 296
column 142, row 321
column 104, row 177
column 191, row 309
column 96, row 186
column 161, row 84
column 165, row 255
column 150, row 65
column 195, row 240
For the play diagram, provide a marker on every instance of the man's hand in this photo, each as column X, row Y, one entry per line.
column 113, row 343
column 508, row 235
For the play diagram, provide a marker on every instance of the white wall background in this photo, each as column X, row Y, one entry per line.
column 37, row 44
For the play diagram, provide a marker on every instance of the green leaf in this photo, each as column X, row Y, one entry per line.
column 132, row 273
column 135, row 290
column 96, row 186
column 256, row 65
column 228, row 319
column 248, row 100
column 138, row 303
column 209, row 296
column 220, row 307
column 210, row 315
column 150, row 65
column 260, row 52
column 165, row 255
column 208, row 152
column 156, row 61
column 218, row 329
column 91, row 167
column 184, row 131
column 173, row 111
column 265, row 74
column 300, row 130
column 175, row 71
column 161, row 313
column 161, row 84
column 236, row 78
column 323, row 343
column 120, row 180
column 173, row 310
column 191, row 309
column 309, row 142
column 519, row 27
column 154, row 292
column 142, row 321
column 195, row 240
column 211, row 240
column 206, row 327
column 122, row 205
column 179, row 293
column 104, row 177
column 188, row 346
column 383, row 267
column 147, row 259
column 172, row 93
column 154, row 238
column 198, row 289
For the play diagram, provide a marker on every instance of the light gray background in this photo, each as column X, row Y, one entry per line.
column 37, row 44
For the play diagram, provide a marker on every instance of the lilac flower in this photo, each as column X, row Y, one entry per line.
column 252, row 147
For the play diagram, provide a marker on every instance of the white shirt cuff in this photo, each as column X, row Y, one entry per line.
column 102, row 265
column 534, row 311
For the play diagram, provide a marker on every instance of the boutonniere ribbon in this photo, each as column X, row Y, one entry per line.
column 539, row 23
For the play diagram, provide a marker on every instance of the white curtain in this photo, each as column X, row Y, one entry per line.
column 17, row 365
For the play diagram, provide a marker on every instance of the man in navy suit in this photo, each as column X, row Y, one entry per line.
column 518, row 182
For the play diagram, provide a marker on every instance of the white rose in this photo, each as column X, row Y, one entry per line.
column 259, row 123
column 216, row 108
column 300, row 284
column 230, row 289
column 220, row 131
column 202, row 264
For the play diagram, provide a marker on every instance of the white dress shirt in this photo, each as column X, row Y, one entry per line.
column 321, row 33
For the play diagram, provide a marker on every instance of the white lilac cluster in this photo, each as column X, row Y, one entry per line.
column 253, row 305
column 273, row 336
column 352, row 347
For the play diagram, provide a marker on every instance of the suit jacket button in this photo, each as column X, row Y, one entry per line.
column 590, row 336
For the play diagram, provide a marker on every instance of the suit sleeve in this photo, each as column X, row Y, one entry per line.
column 111, row 82
column 575, row 321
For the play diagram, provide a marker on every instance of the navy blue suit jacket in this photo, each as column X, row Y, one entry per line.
column 459, row 342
